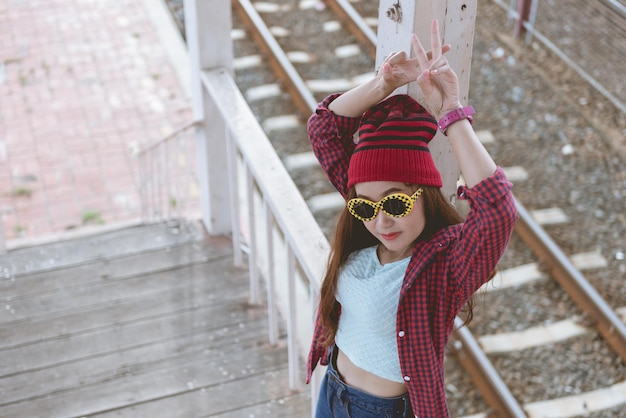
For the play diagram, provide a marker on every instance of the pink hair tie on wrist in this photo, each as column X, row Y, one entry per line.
column 455, row 116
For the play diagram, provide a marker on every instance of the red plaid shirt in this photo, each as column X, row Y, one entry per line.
column 443, row 272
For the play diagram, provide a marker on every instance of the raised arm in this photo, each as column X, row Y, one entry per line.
column 440, row 86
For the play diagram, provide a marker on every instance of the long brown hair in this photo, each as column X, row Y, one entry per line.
column 351, row 235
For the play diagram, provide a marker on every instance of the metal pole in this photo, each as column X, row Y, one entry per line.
column 523, row 11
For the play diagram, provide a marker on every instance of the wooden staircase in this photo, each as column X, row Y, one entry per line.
column 149, row 321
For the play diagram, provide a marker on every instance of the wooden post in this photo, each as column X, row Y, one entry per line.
column 208, row 26
column 397, row 20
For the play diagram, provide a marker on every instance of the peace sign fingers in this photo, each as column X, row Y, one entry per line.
column 437, row 80
column 435, row 41
column 420, row 54
column 433, row 58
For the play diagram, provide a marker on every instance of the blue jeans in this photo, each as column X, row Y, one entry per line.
column 338, row 400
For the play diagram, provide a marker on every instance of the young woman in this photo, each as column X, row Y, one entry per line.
column 402, row 263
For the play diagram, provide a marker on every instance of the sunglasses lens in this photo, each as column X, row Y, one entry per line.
column 363, row 210
column 395, row 206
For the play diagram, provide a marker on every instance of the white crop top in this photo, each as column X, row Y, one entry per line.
column 369, row 294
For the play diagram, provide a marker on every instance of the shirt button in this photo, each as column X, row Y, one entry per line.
column 401, row 334
column 407, row 378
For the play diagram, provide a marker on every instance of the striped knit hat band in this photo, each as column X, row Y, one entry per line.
column 393, row 144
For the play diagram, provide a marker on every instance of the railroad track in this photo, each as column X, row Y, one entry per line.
column 584, row 59
column 520, row 359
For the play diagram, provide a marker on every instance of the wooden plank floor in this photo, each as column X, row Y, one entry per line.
column 162, row 333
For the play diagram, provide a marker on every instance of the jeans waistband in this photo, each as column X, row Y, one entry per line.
column 400, row 403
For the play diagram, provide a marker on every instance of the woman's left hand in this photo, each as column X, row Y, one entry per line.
column 439, row 83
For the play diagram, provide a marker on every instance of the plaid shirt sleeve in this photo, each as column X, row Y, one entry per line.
column 484, row 236
column 317, row 353
column 332, row 139
column 444, row 272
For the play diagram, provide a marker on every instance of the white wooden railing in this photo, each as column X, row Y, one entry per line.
column 245, row 190
column 285, row 245
column 272, row 226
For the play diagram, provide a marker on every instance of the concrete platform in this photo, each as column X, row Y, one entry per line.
column 83, row 83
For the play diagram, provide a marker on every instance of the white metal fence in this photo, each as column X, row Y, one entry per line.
column 168, row 183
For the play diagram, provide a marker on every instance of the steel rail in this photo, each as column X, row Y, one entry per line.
column 617, row 6
column 567, row 60
column 277, row 59
column 572, row 281
column 485, row 377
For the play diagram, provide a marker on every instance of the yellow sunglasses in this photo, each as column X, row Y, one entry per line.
column 396, row 205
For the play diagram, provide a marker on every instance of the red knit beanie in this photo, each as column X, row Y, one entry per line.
column 393, row 144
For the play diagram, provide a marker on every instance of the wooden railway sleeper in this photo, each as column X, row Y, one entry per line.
column 572, row 281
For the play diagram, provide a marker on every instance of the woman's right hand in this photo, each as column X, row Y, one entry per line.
column 396, row 71
column 438, row 82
